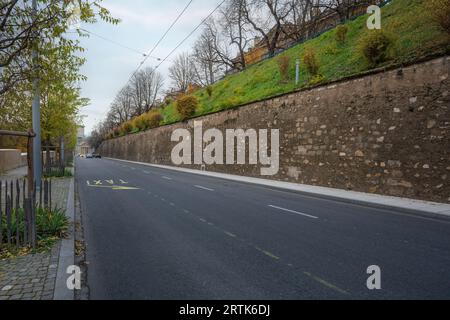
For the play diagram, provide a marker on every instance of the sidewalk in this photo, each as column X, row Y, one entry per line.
column 34, row 277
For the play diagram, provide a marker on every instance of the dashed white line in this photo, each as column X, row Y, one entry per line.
column 292, row 211
column 204, row 188
column 167, row 178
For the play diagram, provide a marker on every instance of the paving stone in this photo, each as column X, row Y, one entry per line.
column 32, row 277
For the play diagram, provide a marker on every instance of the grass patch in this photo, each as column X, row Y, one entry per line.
column 58, row 174
column 414, row 35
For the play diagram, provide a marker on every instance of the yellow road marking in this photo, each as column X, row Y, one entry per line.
column 230, row 234
column 267, row 253
column 113, row 187
column 325, row 283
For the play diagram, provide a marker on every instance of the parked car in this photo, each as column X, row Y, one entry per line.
column 97, row 156
column 89, row 156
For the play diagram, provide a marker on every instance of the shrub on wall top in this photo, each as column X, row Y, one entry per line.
column 311, row 62
column 153, row 119
column 376, row 46
column 283, row 65
column 440, row 13
column 127, row 127
column 341, row 33
column 186, row 106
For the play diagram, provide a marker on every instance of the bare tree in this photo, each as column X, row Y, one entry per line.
column 122, row 108
column 344, row 8
column 267, row 18
column 146, row 85
column 182, row 72
column 236, row 30
column 302, row 20
column 207, row 61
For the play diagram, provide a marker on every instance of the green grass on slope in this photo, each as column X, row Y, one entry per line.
column 406, row 20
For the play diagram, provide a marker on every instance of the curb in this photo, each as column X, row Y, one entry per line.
column 67, row 251
column 373, row 200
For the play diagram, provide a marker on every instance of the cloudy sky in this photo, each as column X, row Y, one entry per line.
column 109, row 66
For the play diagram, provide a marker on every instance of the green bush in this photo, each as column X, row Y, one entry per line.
column 341, row 33
column 311, row 62
column 283, row 65
column 186, row 106
column 375, row 47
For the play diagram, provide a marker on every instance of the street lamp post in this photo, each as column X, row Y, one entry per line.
column 36, row 111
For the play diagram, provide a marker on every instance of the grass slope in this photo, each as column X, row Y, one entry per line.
column 406, row 20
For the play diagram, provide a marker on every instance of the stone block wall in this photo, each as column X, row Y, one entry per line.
column 384, row 133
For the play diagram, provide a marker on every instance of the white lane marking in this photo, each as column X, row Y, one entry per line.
column 204, row 188
column 296, row 212
column 167, row 178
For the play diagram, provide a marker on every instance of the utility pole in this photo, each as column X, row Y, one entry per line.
column 37, row 159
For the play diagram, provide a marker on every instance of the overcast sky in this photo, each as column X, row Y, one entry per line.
column 109, row 66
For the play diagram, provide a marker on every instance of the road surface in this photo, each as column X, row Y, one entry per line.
column 159, row 234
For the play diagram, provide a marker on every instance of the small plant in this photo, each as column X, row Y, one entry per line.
column 440, row 13
column 341, row 33
column 318, row 78
column 283, row 66
column 311, row 62
column 51, row 223
column 116, row 132
column 209, row 91
column 375, row 47
column 186, row 106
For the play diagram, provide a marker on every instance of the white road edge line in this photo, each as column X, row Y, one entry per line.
column 204, row 188
column 296, row 212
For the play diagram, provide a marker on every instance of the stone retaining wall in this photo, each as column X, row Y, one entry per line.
column 385, row 133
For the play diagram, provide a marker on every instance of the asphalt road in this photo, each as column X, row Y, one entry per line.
column 158, row 234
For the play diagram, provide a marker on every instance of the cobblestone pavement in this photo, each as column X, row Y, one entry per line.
column 29, row 278
column 32, row 277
